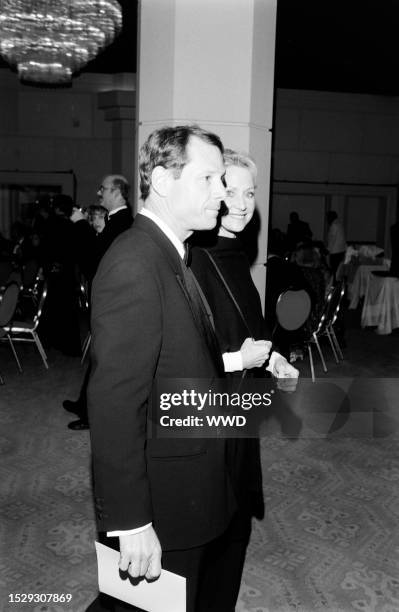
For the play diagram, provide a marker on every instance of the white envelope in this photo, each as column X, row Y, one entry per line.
column 167, row 594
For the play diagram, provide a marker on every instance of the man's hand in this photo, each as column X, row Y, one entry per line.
column 254, row 352
column 286, row 374
column 141, row 554
column 77, row 215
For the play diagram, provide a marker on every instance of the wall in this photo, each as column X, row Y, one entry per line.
column 319, row 138
column 65, row 129
column 334, row 138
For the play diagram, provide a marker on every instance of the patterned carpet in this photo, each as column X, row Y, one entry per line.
column 329, row 540
column 46, row 516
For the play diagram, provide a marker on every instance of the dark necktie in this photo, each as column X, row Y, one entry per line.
column 201, row 310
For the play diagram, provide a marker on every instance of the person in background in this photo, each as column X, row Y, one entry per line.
column 60, row 323
column 113, row 197
column 297, row 231
column 336, row 243
column 96, row 216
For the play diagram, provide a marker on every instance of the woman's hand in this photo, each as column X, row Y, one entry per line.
column 254, row 353
column 286, row 374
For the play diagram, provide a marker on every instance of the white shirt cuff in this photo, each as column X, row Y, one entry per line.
column 232, row 361
column 112, row 534
column 272, row 360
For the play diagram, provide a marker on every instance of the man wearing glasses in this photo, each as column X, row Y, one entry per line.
column 113, row 195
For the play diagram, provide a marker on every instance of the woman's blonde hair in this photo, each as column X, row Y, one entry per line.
column 242, row 160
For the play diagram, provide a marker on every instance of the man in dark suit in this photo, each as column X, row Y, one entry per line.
column 169, row 498
column 113, row 195
column 297, row 231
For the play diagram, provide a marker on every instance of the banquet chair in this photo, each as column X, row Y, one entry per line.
column 8, row 304
column 86, row 346
column 83, row 294
column 32, row 276
column 335, row 307
column 32, row 282
column 84, row 304
column 293, row 308
column 324, row 327
column 25, row 331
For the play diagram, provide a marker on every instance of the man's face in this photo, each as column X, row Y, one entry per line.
column 107, row 193
column 194, row 199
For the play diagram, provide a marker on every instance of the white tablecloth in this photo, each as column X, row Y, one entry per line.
column 381, row 304
column 357, row 288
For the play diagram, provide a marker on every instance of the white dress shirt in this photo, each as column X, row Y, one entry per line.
column 336, row 242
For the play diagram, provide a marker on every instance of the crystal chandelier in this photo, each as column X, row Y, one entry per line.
column 48, row 40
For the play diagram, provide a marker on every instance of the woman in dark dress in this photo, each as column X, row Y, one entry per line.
column 223, row 272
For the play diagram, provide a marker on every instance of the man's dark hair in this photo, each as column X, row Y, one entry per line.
column 64, row 204
column 96, row 209
column 331, row 216
column 167, row 147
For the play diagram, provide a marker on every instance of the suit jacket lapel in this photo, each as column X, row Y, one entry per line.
column 150, row 228
column 146, row 225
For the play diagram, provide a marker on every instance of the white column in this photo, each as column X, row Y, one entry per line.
column 211, row 62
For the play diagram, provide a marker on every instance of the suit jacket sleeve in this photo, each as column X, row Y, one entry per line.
column 85, row 244
column 126, row 337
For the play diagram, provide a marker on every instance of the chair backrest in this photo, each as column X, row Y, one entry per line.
column 331, row 307
column 83, row 294
column 293, row 309
column 8, row 303
column 43, row 295
column 29, row 274
column 321, row 322
column 335, row 303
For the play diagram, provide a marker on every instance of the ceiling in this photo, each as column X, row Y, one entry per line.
column 327, row 45
column 121, row 55
column 338, row 45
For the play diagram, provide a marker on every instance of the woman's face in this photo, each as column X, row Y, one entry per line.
column 240, row 200
column 98, row 222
